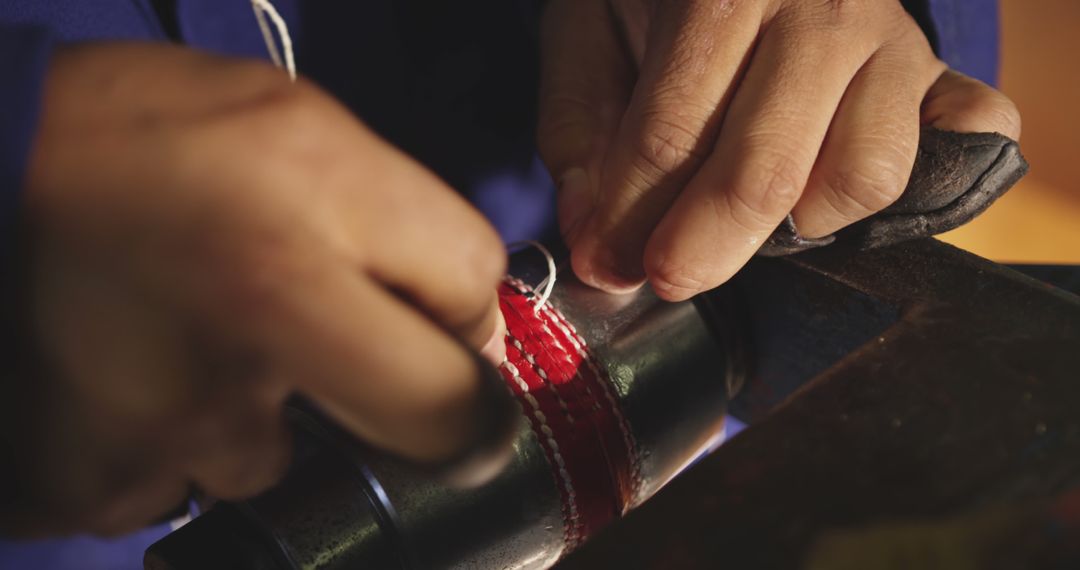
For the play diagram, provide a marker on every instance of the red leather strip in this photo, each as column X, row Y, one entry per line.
column 572, row 409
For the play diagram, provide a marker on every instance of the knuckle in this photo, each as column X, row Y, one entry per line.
column 298, row 109
column 846, row 22
column 911, row 37
column 766, row 192
column 260, row 74
column 289, row 122
column 864, row 190
column 666, row 145
column 845, row 14
column 821, row 18
column 674, row 279
column 271, row 92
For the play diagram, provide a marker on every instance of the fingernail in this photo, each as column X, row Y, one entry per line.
column 575, row 202
column 670, row 292
column 607, row 278
column 616, row 276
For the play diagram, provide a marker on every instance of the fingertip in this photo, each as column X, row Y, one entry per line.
column 671, row 293
column 960, row 103
column 598, row 267
column 495, row 348
column 609, row 281
column 670, row 281
column 982, row 115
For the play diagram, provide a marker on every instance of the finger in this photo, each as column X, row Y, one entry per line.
column 238, row 448
column 119, row 484
column 138, row 505
column 495, row 348
column 867, row 157
column 383, row 370
column 443, row 256
column 763, row 158
column 695, row 55
column 960, row 103
column 239, row 457
column 585, row 83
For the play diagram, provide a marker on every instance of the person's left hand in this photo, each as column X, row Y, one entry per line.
column 682, row 132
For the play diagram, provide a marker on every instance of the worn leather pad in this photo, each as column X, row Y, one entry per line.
column 955, row 177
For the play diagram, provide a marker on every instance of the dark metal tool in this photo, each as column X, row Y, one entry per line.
column 940, row 384
column 673, row 367
column 347, row 506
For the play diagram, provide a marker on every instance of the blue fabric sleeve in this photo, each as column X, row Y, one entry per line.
column 967, row 33
column 964, row 33
column 24, row 58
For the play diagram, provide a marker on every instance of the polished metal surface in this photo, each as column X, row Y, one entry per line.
column 324, row 517
column 669, row 371
column 357, row 508
column 514, row 521
column 362, row 509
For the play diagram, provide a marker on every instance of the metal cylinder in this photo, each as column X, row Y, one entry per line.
column 660, row 372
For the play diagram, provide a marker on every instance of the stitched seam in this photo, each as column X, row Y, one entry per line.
column 571, row 535
column 543, row 376
column 624, row 428
column 581, row 347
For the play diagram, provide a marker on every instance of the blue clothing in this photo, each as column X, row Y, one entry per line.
column 449, row 83
column 452, row 83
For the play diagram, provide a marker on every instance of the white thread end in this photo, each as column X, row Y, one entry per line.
column 264, row 9
column 547, row 285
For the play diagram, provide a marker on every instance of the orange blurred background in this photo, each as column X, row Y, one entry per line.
column 1039, row 220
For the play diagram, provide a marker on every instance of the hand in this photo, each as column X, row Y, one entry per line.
column 206, row 239
column 682, row 132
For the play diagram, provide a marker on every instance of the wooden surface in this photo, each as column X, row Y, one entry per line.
column 925, row 447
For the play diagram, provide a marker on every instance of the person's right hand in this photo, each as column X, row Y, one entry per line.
column 205, row 239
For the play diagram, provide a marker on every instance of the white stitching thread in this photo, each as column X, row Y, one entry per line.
column 572, row 537
column 581, row 348
column 543, row 376
column 628, row 439
column 264, row 8
column 548, row 284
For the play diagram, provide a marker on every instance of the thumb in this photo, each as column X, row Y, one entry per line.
column 586, row 81
column 963, row 104
column 384, row 371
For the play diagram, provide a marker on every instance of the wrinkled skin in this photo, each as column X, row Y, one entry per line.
column 206, row 239
column 681, row 132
